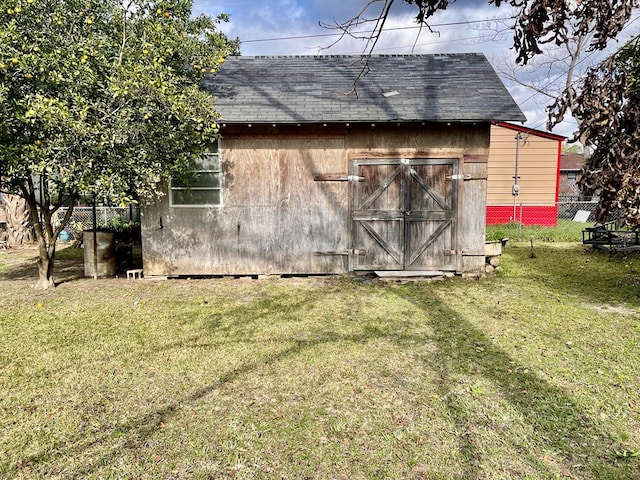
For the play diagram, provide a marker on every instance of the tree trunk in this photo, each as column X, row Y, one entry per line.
column 19, row 228
column 45, row 267
column 47, row 235
column 46, row 226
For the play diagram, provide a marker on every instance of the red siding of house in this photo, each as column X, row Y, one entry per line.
column 544, row 216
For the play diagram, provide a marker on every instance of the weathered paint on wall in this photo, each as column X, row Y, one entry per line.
column 281, row 215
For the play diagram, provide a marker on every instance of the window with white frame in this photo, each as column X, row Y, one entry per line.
column 203, row 186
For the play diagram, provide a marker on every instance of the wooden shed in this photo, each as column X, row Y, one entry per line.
column 310, row 177
column 535, row 154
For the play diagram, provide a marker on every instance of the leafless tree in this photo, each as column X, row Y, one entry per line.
column 537, row 22
column 608, row 108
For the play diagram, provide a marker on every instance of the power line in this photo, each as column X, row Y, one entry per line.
column 366, row 32
column 481, row 39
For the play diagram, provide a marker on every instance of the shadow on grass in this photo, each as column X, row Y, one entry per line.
column 592, row 274
column 559, row 424
column 63, row 272
column 140, row 429
column 22, row 264
column 24, row 271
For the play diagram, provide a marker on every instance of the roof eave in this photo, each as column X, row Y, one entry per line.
column 354, row 121
column 522, row 128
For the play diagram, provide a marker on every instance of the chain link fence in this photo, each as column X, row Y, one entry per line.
column 577, row 211
column 114, row 218
column 562, row 221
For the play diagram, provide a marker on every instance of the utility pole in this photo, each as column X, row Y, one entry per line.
column 515, row 189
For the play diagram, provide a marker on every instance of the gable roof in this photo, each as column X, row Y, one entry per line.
column 571, row 161
column 531, row 131
column 398, row 88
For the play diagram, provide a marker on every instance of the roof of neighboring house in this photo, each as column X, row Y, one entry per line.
column 531, row 131
column 571, row 161
column 398, row 88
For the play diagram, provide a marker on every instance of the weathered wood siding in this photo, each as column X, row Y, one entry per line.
column 472, row 233
column 278, row 212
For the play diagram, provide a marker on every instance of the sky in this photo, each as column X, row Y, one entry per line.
column 295, row 27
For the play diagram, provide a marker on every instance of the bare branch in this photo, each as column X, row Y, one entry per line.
column 538, row 22
column 608, row 108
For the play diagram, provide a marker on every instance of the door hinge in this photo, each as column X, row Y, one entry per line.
column 461, row 176
column 337, row 177
column 351, row 251
column 464, row 253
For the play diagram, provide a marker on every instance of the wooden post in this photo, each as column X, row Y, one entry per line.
column 95, row 239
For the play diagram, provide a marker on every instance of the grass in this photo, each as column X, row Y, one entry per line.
column 564, row 231
column 531, row 373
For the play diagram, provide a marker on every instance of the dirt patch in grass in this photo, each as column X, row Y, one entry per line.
column 619, row 309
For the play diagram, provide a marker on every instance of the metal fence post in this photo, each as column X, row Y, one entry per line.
column 520, row 222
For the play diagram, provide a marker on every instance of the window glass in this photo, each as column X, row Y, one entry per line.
column 203, row 187
column 196, row 197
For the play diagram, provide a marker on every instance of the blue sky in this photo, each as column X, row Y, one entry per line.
column 291, row 27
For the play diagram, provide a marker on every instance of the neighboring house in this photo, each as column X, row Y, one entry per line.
column 537, row 154
column 309, row 178
column 570, row 174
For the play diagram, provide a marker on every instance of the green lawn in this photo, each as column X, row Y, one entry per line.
column 531, row 373
column 564, row 231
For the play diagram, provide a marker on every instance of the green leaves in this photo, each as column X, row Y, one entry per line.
column 102, row 98
column 95, row 83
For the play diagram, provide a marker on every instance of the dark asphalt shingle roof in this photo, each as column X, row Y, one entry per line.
column 306, row 89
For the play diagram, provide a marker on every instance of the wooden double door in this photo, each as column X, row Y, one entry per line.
column 404, row 213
